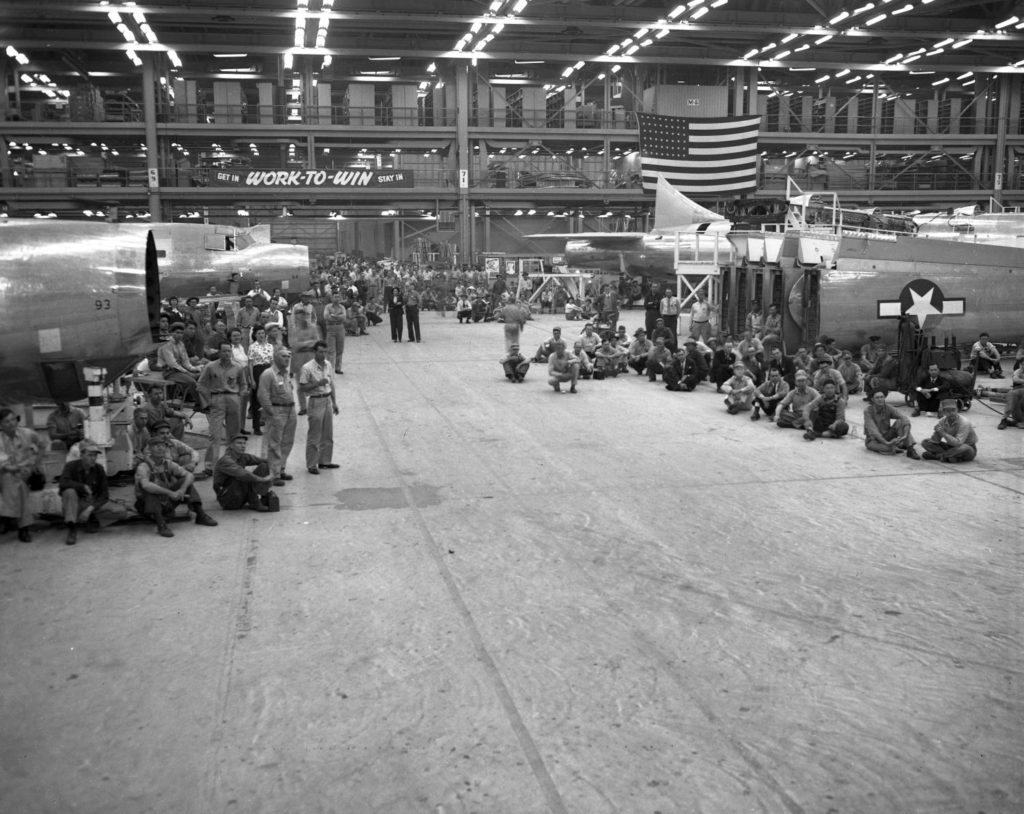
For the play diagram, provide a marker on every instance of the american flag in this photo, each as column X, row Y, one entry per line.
column 699, row 156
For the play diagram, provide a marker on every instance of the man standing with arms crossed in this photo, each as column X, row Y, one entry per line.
column 277, row 398
column 316, row 381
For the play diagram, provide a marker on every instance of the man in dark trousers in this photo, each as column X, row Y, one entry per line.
column 396, row 308
column 412, row 313
column 929, row 392
column 234, row 485
column 85, row 496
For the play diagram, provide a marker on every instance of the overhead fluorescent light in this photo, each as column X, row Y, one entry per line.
column 230, row 56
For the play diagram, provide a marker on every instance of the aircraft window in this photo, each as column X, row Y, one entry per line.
column 218, row 243
column 244, row 242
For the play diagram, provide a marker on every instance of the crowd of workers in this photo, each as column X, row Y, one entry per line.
column 253, row 357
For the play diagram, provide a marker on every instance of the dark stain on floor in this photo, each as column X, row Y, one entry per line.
column 386, row 498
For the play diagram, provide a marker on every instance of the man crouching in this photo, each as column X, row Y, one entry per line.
column 234, row 485
column 161, row 484
column 562, row 368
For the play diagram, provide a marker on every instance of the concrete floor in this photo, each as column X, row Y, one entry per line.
column 514, row 601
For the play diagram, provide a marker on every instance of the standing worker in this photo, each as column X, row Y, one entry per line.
column 220, row 385
column 335, row 315
column 277, row 399
column 412, row 313
column 316, row 382
column 396, row 305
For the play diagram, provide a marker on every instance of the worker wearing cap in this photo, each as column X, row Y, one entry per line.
column 826, row 415
column 234, row 485
column 180, row 452
column 85, row 495
column 954, row 439
column 161, row 484
column 515, row 365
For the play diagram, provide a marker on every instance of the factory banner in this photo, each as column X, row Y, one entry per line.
column 325, row 179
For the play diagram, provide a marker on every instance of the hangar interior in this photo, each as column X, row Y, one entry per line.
column 502, row 118
column 506, row 600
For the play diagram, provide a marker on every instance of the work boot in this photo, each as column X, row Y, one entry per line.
column 24, row 534
column 756, row 415
column 163, row 530
column 92, row 525
column 912, row 454
column 1003, row 424
column 203, row 519
column 72, row 537
column 810, row 435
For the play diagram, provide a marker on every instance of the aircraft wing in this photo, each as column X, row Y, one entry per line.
column 604, row 239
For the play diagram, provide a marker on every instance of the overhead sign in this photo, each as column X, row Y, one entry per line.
column 325, row 179
column 921, row 299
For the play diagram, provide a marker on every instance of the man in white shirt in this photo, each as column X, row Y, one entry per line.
column 316, row 382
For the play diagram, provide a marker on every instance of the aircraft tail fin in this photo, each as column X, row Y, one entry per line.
column 673, row 210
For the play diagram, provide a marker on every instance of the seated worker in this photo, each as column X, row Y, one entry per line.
column 785, row 365
column 772, row 325
column 826, row 373
column 562, row 367
column 157, row 410
column 463, row 309
column 739, row 390
column 479, row 309
column 591, row 341
column 954, row 439
column 515, row 365
column 547, row 347
column 687, row 368
column 930, row 391
column 826, row 415
column 355, row 323
column 177, row 366
column 375, row 306
column 831, row 349
column 234, row 485
column 751, row 351
column 138, row 436
column 85, row 495
column 662, row 331
column 610, row 360
column 802, row 361
column 581, row 356
column 985, row 358
column 872, row 353
column 769, row 395
column 181, row 453
column 791, row 408
column 572, row 310
column 886, row 430
column 722, row 360
column 852, row 375
column 160, row 485
column 65, row 426
column 658, row 359
column 639, row 349
column 195, row 344
column 1013, row 414
column 620, row 338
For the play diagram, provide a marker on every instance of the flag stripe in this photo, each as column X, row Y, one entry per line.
column 717, row 155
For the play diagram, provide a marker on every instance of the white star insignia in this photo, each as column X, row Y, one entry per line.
column 922, row 306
